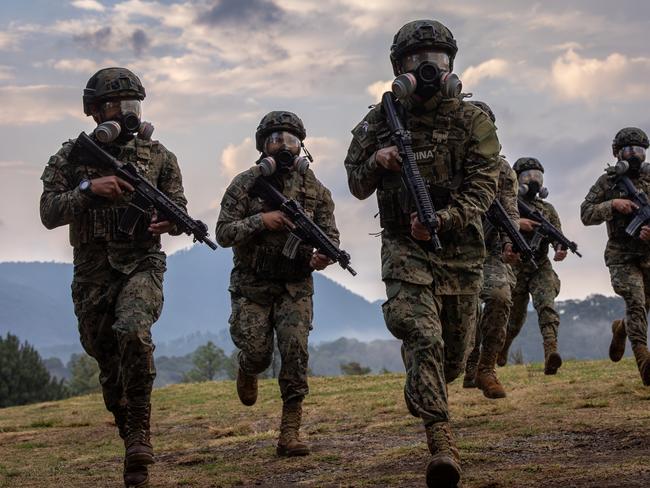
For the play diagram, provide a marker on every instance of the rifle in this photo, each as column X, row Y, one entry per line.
column 306, row 230
column 642, row 214
column 499, row 218
column 145, row 196
column 545, row 229
column 411, row 177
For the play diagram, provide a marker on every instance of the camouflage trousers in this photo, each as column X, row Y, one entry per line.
column 116, row 312
column 498, row 281
column 632, row 283
column 252, row 327
column 436, row 333
column 543, row 285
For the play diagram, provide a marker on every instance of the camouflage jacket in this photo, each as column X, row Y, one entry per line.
column 541, row 254
column 456, row 149
column 260, row 270
column 98, row 247
column 506, row 194
column 597, row 208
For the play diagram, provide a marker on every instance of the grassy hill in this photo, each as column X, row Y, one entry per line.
column 586, row 427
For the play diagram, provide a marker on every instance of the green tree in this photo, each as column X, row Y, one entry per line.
column 232, row 365
column 354, row 368
column 209, row 360
column 84, row 372
column 23, row 376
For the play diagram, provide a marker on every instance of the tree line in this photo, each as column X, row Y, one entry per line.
column 24, row 376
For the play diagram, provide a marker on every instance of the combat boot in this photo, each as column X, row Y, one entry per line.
column 502, row 357
column 470, row 375
column 552, row 359
column 443, row 471
column 246, row 388
column 289, row 444
column 486, row 377
column 139, row 451
column 617, row 346
column 642, row 357
column 136, row 476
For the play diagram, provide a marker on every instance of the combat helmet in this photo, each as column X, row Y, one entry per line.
column 486, row 108
column 629, row 136
column 111, row 83
column 279, row 120
column 527, row 163
column 422, row 34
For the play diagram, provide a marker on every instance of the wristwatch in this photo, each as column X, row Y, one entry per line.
column 84, row 186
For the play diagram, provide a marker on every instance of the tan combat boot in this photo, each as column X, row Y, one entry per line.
column 443, row 471
column 642, row 357
column 552, row 359
column 486, row 377
column 617, row 346
column 470, row 375
column 289, row 444
column 246, row 388
column 139, row 451
column 502, row 358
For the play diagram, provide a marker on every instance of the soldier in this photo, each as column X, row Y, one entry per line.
column 432, row 298
column 117, row 284
column 542, row 283
column 270, row 292
column 627, row 257
column 498, row 280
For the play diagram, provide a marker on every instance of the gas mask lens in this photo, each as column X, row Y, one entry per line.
column 282, row 140
column 630, row 153
column 411, row 62
column 127, row 112
column 532, row 176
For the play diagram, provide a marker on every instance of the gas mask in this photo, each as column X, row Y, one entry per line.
column 425, row 74
column 121, row 117
column 632, row 161
column 531, row 184
column 282, row 151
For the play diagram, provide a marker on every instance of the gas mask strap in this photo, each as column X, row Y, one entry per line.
column 307, row 153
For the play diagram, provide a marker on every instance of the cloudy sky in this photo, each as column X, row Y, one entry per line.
column 561, row 76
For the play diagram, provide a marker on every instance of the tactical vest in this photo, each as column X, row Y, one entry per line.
column 265, row 256
column 440, row 143
column 100, row 221
column 619, row 222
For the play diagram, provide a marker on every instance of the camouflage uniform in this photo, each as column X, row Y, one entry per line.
column 628, row 258
column 432, row 299
column 498, row 277
column 542, row 284
column 268, row 291
column 117, row 284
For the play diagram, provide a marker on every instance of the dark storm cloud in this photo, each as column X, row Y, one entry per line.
column 98, row 39
column 140, row 41
column 242, row 11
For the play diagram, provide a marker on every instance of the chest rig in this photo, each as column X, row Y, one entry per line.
column 619, row 222
column 440, row 142
column 277, row 255
column 100, row 222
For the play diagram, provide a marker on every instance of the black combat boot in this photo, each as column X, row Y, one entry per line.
column 139, row 451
